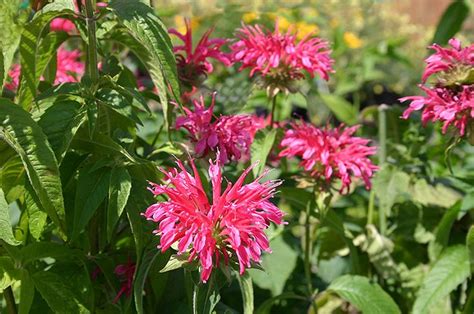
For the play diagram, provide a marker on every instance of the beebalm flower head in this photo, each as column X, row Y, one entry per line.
column 450, row 99
column 228, row 227
column 231, row 135
column 69, row 68
column 278, row 57
column 330, row 154
column 60, row 24
column 452, row 66
column 193, row 65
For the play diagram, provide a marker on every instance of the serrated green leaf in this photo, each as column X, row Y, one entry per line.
column 37, row 47
column 246, row 288
column 443, row 230
column 119, row 191
column 449, row 271
column 368, row 297
column 451, row 22
column 92, row 189
column 20, row 132
column 390, row 186
column 36, row 216
column 12, row 178
column 150, row 41
column 261, row 148
column 6, row 233
column 342, row 109
column 57, row 293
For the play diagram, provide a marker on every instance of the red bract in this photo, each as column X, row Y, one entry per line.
column 69, row 69
column 449, row 59
column 232, row 135
column 451, row 107
column 227, row 228
column 125, row 273
column 279, row 55
column 193, row 64
column 330, row 153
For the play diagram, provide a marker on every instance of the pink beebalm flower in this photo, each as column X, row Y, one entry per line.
column 330, row 154
column 446, row 60
column 69, row 68
column 451, row 107
column 193, row 64
column 232, row 135
column 125, row 273
column 278, row 56
column 451, row 98
column 227, row 228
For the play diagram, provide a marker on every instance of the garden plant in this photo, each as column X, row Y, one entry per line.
column 310, row 157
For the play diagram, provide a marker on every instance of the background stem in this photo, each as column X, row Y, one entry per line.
column 92, row 69
column 382, row 158
column 10, row 300
column 272, row 113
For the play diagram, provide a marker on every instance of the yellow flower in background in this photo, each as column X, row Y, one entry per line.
column 352, row 41
column 249, row 17
column 303, row 29
column 283, row 24
column 334, row 22
column 181, row 26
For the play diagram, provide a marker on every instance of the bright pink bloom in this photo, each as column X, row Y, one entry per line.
column 228, row 228
column 450, row 106
column 279, row 54
column 231, row 135
column 448, row 59
column 70, row 68
column 125, row 273
column 60, row 24
column 193, row 64
column 330, row 153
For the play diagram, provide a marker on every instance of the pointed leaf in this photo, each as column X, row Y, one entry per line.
column 470, row 247
column 119, row 191
column 6, row 233
column 27, row 293
column 342, row 109
column 261, row 148
column 20, row 132
column 451, row 22
column 368, row 297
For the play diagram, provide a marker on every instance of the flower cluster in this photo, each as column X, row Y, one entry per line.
column 450, row 99
column 330, row 153
column 278, row 57
column 69, row 69
column 193, row 65
column 125, row 273
column 229, row 227
column 231, row 135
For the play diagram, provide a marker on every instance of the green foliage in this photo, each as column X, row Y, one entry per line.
column 451, row 21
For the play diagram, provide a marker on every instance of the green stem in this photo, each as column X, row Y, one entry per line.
column 370, row 214
column 307, row 252
column 272, row 113
column 92, row 69
column 382, row 158
column 10, row 300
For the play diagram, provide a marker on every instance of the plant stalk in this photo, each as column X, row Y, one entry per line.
column 10, row 300
column 92, row 69
column 272, row 113
column 382, row 158
column 307, row 252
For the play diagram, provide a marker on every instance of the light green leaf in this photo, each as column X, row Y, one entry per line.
column 261, row 148
column 36, row 216
column 92, row 188
column 342, row 109
column 57, row 293
column 390, row 186
column 443, row 230
column 6, row 233
column 8, row 272
column 150, row 41
column 275, row 272
column 20, row 132
column 36, row 51
column 437, row 195
column 470, row 246
column 246, row 288
column 449, row 271
column 368, row 297
column 119, row 191
column 175, row 262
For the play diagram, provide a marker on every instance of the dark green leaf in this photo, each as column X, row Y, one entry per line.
column 20, row 131
column 150, row 42
column 119, row 191
column 27, row 293
column 470, row 246
column 57, row 293
column 368, row 297
column 92, row 189
column 40, row 250
column 451, row 22
column 449, row 271
column 443, row 230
